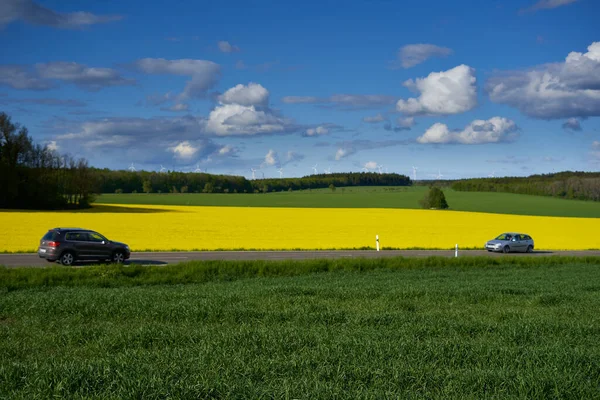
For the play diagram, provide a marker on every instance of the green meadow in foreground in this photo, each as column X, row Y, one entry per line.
column 407, row 328
column 372, row 197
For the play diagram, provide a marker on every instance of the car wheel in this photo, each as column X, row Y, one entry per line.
column 530, row 249
column 118, row 257
column 506, row 249
column 67, row 258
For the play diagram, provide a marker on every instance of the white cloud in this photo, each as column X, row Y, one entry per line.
column 547, row 4
column 35, row 14
column 251, row 95
column 596, row 145
column 559, row 90
column 271, row 158
column 226, row 47
column 227, row 150
column 52, row 145
column 374, row 119
column 232, row 118
column 344, row 152
column 371, row 165
column 572, row 124
column 494, row 130
column 442, row 93
column 204, row 74
column 414, row 54
column 318, row 131
column 184, row 150
column 292, row 157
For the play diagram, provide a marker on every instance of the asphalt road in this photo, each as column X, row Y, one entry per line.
column 163, row 258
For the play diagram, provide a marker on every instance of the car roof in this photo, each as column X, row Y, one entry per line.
column 514, row 233
column 69, row 229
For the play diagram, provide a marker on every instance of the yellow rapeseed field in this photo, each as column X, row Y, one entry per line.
column 189, row 228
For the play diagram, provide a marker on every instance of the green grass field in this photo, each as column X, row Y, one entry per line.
column 433, row 328
column 373, row 197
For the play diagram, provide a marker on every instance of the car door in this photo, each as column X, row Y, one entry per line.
column 520, row 244
column 98, row 246
column 77, row 241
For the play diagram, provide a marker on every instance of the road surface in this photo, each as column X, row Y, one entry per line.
column 163, row 258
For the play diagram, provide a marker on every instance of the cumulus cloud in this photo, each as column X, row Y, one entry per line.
column 550, row 91
column 546, row 4
column 184, row 150
column 52, row 145
column 402, row 124
column 442, row 93
column 203, row 74
column 226, row 47
column 345, row 101
column 494, row 130
column 252, row 94
column 572, row 124
column 251, row 117
column 344, row 152
column 318, row 131
column 414, row 54
column 271, row 158
column 371, row 165
column 35, row 14
column 227, row 150
column 374, row 119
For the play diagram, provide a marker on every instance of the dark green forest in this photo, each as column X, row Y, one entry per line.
column 33, row 176
column 569, row 185
column 109, row 181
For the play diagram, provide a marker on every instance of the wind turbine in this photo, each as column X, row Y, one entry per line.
column 315, row 169
column 327, row 171
column 263, row 174
column 131, row 168
column 364, row 169
column 439, row 175
column 198, row 168
column 162, row 169
column 414, row 172
column 280, row 172
column 492, row 175
column 253, row 173
column 380, row 168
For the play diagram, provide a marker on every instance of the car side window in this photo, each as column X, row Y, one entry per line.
column 76, row 236
column 94, row 237
column 517, row 237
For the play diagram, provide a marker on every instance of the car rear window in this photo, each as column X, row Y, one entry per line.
column 50, row 235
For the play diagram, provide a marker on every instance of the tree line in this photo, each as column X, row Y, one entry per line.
column 568, row 185
column 122, row 181
column 33, row 176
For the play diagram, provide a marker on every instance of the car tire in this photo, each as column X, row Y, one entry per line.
column 118, row 257
column 67, row 258
column 530, row 249
column 506, row 249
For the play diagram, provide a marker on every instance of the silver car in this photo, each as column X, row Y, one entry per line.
column 511, row 241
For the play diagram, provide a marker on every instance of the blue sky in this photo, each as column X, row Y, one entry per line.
column 461, row 88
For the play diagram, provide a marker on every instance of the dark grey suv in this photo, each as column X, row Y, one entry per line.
column 67, row 245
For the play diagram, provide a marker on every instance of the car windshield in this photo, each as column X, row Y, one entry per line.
column 504, row 236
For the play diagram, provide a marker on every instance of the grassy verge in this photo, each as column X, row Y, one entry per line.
column 210, row 271
column 407, row 328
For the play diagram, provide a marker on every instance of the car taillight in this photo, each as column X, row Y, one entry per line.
column 53, row 244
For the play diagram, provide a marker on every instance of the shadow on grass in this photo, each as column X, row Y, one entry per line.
column 99, row 209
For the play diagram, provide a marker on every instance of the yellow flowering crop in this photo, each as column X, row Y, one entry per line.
column 188, row 228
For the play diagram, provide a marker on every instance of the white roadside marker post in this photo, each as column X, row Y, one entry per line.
column 377, row 241
column 456, row 250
